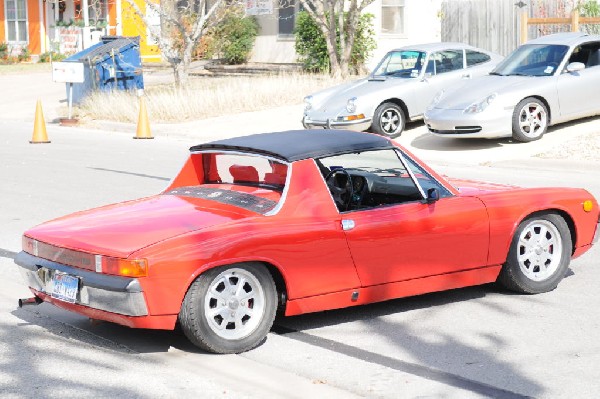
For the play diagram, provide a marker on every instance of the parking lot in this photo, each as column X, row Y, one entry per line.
column 466, row 343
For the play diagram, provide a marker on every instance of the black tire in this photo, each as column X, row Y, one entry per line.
column 530, row 120
column 389, row 120
column 232, row 325
column 539, row 255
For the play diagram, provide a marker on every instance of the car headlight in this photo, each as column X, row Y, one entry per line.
column 308, row 103
column 479, row 106
column 351, row 105
column 438, row 97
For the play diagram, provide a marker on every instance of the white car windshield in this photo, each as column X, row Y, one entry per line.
column 400, row 64
column 532, row 60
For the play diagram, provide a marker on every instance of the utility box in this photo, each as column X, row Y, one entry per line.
column 112, row 64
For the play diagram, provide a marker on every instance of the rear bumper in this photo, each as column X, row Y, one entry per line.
column 112, row 294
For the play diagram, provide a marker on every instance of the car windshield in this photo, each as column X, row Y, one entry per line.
column 532, row 60
column 400, row 64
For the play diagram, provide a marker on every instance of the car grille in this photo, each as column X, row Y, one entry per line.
column 457, row 130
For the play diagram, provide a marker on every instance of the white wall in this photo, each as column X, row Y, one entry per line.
column 422, row 25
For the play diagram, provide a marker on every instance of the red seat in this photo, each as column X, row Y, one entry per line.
column 243, row 174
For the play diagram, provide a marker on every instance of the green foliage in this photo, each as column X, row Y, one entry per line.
column 51, row 56
column 25, row 54
column 590, row 8
column 312, row 48
column 233, row 38
column 4, row 51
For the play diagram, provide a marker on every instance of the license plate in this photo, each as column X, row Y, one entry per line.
column 65, row 287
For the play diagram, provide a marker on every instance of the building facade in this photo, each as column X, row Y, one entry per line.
column 68, row 26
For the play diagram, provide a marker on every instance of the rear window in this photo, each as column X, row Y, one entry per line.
column 246, row 170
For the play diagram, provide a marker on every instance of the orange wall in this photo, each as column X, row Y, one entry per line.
column 33, row 15
column 2, row 28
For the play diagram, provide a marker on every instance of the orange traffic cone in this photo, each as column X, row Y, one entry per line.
column 39, row 126
column 143, row 127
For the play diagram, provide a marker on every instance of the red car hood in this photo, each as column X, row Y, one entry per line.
column 120, row 229
column 472, row 187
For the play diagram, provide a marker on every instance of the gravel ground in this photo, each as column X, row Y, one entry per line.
column 582, row 148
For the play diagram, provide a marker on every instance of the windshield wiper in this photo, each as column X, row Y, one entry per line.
column 519, row 74
column 496, row 73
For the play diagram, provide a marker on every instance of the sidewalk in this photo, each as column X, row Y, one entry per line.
column 577, row 141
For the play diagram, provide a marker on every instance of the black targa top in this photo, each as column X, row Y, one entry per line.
column 295, row 145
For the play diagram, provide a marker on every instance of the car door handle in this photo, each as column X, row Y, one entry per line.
column 348, row 224
column 467, row 76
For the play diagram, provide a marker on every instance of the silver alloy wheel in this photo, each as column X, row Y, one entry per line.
column 390, row 121
column 234, row 304
column 533, row 119
column 539, row 250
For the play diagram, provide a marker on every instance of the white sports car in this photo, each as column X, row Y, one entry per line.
column 546, row 81
column 399, row 89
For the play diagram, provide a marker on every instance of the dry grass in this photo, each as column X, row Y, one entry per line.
column 206, row 97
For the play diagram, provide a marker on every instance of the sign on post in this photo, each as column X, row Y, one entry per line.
column 259, row 7
column 67, row 72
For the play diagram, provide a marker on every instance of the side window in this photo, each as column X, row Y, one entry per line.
column 588, row 54
column 475, row 58
column 368, row 180
column 426, row 181
column 445, row 61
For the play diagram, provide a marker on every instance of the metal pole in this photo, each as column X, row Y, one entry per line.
column 70, row 98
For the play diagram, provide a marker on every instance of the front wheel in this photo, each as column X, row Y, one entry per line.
column 539, row 255
column 389, row 120
column 229, row 309
column 530, row 120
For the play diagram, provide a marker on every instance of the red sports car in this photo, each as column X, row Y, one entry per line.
column 299, row 221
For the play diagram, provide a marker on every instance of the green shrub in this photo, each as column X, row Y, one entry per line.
column 25, row 54
column 233, row 38
column 590, row 8
column 50, row 56
column 4, row 50
column 312, row 48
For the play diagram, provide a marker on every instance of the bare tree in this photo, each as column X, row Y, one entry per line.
column 337, row 15
column 183, row 23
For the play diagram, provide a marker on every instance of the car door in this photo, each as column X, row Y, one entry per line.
column 397, row 236
column 443, row 69
column 573, row 88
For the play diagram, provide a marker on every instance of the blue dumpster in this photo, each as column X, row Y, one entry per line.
column 113, row 63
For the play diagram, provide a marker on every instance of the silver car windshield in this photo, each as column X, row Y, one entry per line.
column 532, row 60
column 401, row 64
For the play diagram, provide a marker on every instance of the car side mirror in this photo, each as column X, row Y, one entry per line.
column 432, row 195
column 575, row 67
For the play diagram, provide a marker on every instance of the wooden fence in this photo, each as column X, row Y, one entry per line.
column 574, row 21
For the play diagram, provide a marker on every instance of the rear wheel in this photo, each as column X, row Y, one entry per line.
column 229, row 309
column 539, row 255
column 389, row 120
column 530, row 120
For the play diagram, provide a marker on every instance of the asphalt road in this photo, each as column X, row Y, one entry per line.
column 468, row 343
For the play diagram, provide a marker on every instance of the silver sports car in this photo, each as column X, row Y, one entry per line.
column 399, row 89
column 548, row 80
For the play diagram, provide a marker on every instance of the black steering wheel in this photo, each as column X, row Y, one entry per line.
column 341, row 195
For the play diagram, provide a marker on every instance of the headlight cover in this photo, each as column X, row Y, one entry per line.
column 351, row 105
column 308, row 103
column 438, row 97
column 479, row 106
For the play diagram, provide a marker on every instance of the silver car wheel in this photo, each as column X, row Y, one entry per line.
column 532, row 120
column 234, row 304
column 389, row 121
column 540, row 250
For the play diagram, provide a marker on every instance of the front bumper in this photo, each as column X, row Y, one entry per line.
column 113, row 294
column 357, row 125
column 489, row 124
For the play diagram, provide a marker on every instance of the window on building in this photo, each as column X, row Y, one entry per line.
column 287, row 17
column 16, row 20
column 392, row 17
